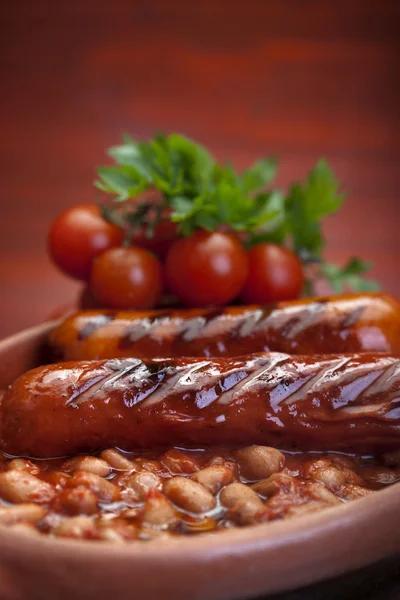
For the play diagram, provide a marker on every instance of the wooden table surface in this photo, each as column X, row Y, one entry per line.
column 299, row 78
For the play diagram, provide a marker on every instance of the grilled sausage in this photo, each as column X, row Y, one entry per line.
column 330, row 402
column 349, row 323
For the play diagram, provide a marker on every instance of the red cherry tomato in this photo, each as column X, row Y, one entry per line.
column 206, row 268
column 126, row 278
column 275, row 273
column 165, row 232
column 77, row 236
column 162, row 240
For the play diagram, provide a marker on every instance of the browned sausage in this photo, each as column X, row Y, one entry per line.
column 352, row 323
column 332, row 402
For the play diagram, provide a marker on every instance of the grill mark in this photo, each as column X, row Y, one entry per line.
column 353, row 316
column 393, row 371
column 320, row 380
column 94, row 324
column 251, row 321
column 92, row 386
column 192, row 328
column 303, row 321
column 252, row 378
column 175, row 383
column 351, row 391
column 139, row 329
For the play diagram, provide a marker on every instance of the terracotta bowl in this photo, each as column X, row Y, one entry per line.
column 233, row 564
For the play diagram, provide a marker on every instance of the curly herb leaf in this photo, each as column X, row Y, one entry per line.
column 349, row 276
column 307, row 204
column 201, row 193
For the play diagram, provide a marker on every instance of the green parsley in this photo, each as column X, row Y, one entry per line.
column 199, row 193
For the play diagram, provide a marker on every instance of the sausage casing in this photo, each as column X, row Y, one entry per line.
column 348, row 323
column 332, row 402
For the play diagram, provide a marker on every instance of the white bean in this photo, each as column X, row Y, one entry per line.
column 213, row 478
column 21, row 512
column 21, row 486
column 22, row 464
column 158, row 512
column 243, row 504
column 105, row 491
column 278, row 482
column 117, row 460
column 143, row 482
column 189, row 495
column 76, row 527
column 259, row 462
column 90, row 464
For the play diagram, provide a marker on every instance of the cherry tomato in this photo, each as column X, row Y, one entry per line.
column 162, row 240
column 206, row 268
column 165, row 232
column 77, row 236
column 126, row 278
column 275, row 273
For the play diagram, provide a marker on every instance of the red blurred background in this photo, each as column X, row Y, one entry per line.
column 298, row 78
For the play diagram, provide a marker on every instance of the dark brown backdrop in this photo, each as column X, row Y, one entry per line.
column 294, row 77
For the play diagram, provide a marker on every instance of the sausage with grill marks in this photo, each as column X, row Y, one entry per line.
column 348, row 323
column 332, row 402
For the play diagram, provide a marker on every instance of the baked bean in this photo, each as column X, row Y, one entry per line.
column 25, row 528
column 131, row 513
column 274, row 484
column 117, row 531
column 158, row 512
column 331, row 477
column 21, row 512
column 110, row 535
column 122, row 497
column 342, row 461
column 213, row 478
column 76, row 501
column 179, row 463
column 145, row 464
column 353, row 492
column 319, row 492
column 116, row 460
column 189, row 495
column 243, row 504
column 22, row 464
column 21, row 486
column 259, row 462
column 77, row 527
column 56, row 478
column 90, row 464
column 142, row 483
column 230, row 464
column 104, row 490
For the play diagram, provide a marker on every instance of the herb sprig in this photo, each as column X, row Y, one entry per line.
column 200, row 193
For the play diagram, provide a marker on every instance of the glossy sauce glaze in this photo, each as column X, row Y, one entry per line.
column 348, row 323
column 121, row 497
column 333, row 402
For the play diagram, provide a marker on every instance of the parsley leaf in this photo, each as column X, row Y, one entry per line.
column 260, row 174
column 349, row 276
column 307, row 204
column 200, row 193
